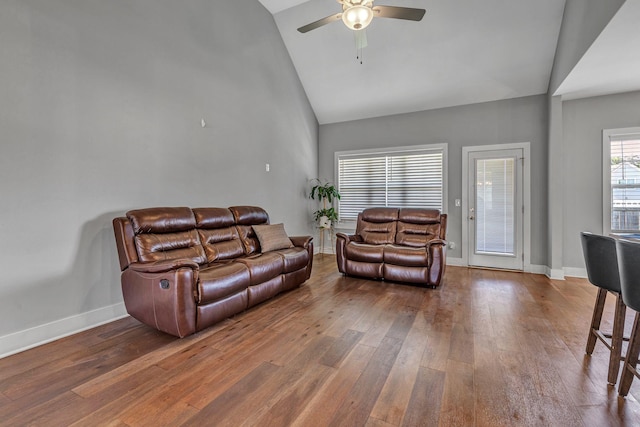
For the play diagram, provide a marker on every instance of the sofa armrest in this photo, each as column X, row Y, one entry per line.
column 349, row 237
column 164, row 300
column 163, row 266
column 305, row 242
column 301, row 241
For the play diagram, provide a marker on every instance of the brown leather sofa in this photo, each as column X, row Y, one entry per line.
column 185, row 269
column 399, row 245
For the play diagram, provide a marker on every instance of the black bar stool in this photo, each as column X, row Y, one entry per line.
column 602, row 269
column 629, row 263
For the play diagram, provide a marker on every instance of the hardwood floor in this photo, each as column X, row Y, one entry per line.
column 487, row 348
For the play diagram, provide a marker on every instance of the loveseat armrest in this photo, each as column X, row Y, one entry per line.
column 301, row 241
column 342, row 240
column 436, row 242
column 437, row 252
column 163, row 266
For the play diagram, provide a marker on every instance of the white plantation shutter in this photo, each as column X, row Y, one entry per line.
column 361, row 182
column 399, row 179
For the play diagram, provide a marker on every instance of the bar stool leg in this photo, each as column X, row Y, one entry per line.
column 629, row 368
column 596, row 319
column 616, row 340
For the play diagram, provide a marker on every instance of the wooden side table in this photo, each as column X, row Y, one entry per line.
column 322, row 231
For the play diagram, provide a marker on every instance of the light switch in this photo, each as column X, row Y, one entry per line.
column 458, row 202
column 266, row 167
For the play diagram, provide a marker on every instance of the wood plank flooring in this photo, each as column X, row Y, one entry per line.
column 487, row 348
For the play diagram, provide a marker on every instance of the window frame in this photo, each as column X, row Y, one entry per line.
column 442, row 147
column 607, row 136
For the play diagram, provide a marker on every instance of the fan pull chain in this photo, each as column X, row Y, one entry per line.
column 359, row 52
column 361, row 43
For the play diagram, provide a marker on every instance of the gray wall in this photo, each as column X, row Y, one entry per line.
column 582, row 23
column 583, row 122
column 100, row 109
column 500, row 122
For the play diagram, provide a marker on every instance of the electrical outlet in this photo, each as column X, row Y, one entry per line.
column 267, row 167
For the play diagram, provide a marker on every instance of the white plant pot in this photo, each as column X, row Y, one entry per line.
column 324, row 222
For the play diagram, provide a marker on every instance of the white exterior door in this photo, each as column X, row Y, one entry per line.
column 495, row 209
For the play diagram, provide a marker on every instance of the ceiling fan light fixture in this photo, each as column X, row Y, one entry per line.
column 357, row 17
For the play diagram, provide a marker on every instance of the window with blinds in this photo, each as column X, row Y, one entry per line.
column 402, row 178
column 625, row 183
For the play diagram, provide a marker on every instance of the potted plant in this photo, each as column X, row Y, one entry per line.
column 325, row 192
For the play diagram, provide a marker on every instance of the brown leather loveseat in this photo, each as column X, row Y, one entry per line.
column 185, row 269
column 399, row 245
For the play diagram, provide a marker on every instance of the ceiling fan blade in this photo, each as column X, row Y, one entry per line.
column 407, row 13
column 320, row 23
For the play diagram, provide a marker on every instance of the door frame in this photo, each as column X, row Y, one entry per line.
column 526, row 197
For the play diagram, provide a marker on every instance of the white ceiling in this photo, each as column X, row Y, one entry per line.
column 612, row 63
column 462, row 52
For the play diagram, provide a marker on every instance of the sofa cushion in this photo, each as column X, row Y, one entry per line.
column 213, row 217
column 245, row 217
column 166, row 234
column 403, row 273
column 221, row 244
column 263, row 291
column 294, row 258
column 161, row 220
column 377, row 233
column 218, row 234
column 377, row 226
column 416, row 235
column 403, row 255
column 167, row 246
column 221, row 280
column 272, row 237
column 380, row 214
column 363, row 252
column 208, row 314
column 416, row 227
column 364, row 269
column 419, row 216
column 249, row 215
column 262, row 267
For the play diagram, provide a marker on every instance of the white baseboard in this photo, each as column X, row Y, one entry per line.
column 555, row 274
column 42, row 334
column 530, row 268
column 457, row 262
column 328, row 251
column 575, row 272
column 535, row 269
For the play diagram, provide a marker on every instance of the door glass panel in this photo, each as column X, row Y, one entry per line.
column 495, row 206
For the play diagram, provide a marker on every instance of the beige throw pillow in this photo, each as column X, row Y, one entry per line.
column 272, row 237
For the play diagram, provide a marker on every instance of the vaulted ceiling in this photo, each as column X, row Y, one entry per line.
column 462, row 52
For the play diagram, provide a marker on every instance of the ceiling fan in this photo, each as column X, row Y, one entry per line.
column 357, row 15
